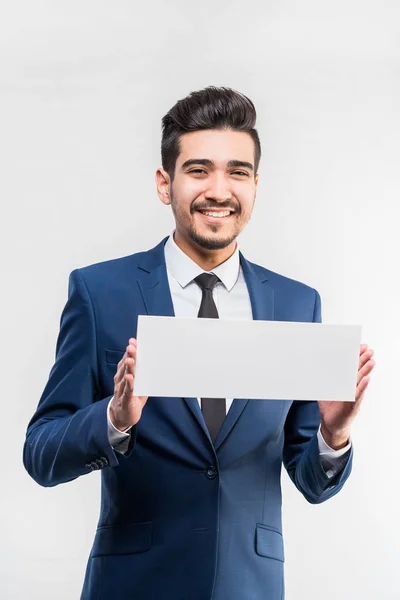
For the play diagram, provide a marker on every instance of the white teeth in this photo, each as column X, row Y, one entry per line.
column 217, row 214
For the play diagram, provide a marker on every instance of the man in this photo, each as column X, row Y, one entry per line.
column 191, row 496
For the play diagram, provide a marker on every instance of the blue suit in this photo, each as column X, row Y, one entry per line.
column 180, row 519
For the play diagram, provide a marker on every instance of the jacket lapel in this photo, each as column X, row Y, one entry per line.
column 262, row 304
column 154, row 288
column 152, row 281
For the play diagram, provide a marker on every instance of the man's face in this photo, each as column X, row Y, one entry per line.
column 214, row 172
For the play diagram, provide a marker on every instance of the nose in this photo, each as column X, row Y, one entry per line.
column 218, row 188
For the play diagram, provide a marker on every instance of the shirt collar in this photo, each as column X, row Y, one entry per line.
column 184, row 269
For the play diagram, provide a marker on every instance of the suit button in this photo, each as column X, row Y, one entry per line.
column 104, row 461
column 89, row 466
column 211, row 472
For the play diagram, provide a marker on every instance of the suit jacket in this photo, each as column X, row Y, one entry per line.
column 181, row 518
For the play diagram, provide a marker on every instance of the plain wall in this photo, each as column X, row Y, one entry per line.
column 83, row 88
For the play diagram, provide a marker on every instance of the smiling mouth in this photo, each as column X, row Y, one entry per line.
column 214, row 215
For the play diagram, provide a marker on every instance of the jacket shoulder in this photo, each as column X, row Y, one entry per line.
column 110, row 269
column 279, row 281
column 294, row 300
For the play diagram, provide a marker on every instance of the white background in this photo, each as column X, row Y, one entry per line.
column 83, row 88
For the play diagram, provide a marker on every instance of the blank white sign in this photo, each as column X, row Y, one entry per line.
column 218, row 358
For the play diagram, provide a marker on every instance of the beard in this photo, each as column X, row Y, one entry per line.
column 208, row 243
column 211, row 243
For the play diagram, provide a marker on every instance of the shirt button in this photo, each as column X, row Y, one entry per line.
column 211, row 472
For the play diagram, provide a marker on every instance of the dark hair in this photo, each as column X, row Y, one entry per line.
column 210, row 108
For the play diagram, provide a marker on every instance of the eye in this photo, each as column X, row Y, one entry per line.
column 233, row 173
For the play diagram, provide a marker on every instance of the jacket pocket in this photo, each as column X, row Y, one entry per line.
column 269, row 542
column 113, row 356
column 132, row 538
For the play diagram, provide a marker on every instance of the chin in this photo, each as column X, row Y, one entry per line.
column 212, row 243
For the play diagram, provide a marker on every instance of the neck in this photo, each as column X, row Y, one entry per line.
column 206, row 259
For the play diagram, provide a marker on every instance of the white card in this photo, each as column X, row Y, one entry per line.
column 218, row 358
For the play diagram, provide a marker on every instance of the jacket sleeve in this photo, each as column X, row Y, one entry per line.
column 68, row 435
column 301, row 452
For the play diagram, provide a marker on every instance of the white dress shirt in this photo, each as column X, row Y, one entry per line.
column 233, row 302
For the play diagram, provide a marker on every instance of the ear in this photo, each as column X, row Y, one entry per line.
column 163, row 186
column 256, row 182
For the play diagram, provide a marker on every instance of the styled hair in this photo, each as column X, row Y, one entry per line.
column 209, row 108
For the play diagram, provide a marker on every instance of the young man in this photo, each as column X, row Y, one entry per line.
column 191, row 496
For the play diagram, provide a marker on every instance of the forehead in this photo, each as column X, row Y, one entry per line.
column 217, row 145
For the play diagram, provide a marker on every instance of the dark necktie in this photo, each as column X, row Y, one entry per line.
column 213, row 409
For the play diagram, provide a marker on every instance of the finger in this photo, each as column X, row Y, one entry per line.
column 365, row 356
column 132, row 343
column 367, row 368
column 124, row 366
column 128, row 391
column 131, row 350
column 130, row 364
column 361, row 388
column 120, row 366
column 121, row 362
column 120, row 387
column 121, row 370
column 368, row 351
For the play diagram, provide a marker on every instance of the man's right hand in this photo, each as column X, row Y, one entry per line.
column 125, row 408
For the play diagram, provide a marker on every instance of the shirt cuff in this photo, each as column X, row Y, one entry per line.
column 119, row 440
column 332, row 461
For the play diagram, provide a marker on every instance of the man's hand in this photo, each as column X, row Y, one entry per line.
column 336, row 417
column 125, row 408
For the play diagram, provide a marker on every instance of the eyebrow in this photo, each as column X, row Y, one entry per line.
column 206, row 162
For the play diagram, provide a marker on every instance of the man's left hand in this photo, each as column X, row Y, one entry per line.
column 336, row 417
